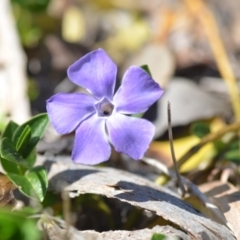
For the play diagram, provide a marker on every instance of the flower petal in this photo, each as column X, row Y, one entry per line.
column 96, row 72
column 91, row 145
column 137, row 92
column 129, row 135
column 67, row 110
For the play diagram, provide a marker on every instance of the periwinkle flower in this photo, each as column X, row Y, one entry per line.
column 99, row 118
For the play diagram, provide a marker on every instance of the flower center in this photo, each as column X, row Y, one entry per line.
column 104, row 108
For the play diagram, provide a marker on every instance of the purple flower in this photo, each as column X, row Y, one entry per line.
column 99, row 118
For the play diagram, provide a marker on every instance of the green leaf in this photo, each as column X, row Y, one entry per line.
column 37, row 176
column 9, row 130
column 233, row 155
column 37, row 125
column 22, row 143
column 146, row 69
column 33, row 5
column 33, row 184
column 157, row 236
column 200, row 129
column 31, row 159
column 17, row 225
column 10, row 167
column 137, row 115
column 219, row 145
column 9, row 152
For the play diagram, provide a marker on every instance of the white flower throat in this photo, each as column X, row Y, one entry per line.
column 104, row 108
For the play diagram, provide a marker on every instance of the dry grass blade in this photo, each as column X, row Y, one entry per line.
column 200, row 10
column 209, row 138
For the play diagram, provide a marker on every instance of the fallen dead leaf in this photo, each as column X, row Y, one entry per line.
column 142, row 234
column 134, row 190
column 6, row 190
column 57, row 230
column 227, row 198
column 189, row 103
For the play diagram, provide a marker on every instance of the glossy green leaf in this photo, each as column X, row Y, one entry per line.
column 37, row 176
column 9, row 130
column 10, row 167
column 31, row 159
column 146, row 68
column 23, row 184
column 200, row 129
column 9, row 152
column 37, row 125
column 23, row 140
column 33, row 184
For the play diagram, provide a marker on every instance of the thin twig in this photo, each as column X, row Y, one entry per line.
column 66, row 211
column 183, row 191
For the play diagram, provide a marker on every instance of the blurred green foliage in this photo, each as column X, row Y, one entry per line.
column 157, row 236
column 16, row 225
column 200, row 129
column 33, row 5
column 32, row 20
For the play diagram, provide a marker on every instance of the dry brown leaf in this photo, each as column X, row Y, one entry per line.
column 6, row 190
column 227, row 198
column 134, row 190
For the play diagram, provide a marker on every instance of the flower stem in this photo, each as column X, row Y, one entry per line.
column 183, row 191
